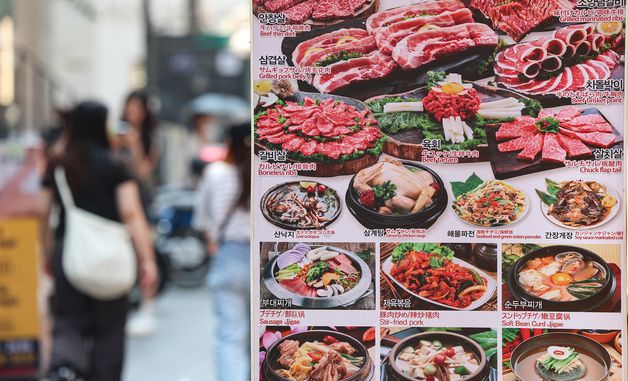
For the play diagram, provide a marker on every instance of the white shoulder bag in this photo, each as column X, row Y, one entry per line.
column 98, row 256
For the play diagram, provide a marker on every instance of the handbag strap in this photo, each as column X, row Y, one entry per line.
column 64, row 188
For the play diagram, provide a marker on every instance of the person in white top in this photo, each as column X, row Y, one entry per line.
column 223, row 213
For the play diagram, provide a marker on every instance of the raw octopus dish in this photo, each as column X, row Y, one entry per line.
column 316, row 272
column 556, row 135
column 429, row 271
column 437, row 361
column 404, row 38
column 301, row 205
column 578, row 204
column 563, row 62
column 319, row 11
column 491, row 204
column 451, row 111
column 518, row 17
column 564, row 277
column 322, row 131
column 392, row 188
column 328, row 360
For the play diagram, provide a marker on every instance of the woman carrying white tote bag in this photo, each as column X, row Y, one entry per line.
column 102, row 231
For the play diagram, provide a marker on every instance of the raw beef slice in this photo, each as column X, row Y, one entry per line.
column 533, row 148
column 300, row 12
column 552, row 151
column 574, row 147
column 598, row 139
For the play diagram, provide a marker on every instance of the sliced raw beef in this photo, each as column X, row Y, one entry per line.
column 580, row 77
column 359, row 47
column 588, row 123
column 333, row 9
column 427, row 46
column 344, row 73
column 567, row 113
column 300, row 12
column 574, row 147
column 598, row 139
column 552, row 151
column 424, row 8
column 532, row 149
column 518, row 17
column 573, row 34
column 524, row 125
column 388, row 37
column 516, row 144
column 280, row 5
column 325, row 41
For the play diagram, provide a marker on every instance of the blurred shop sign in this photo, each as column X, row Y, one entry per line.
column 19, row 253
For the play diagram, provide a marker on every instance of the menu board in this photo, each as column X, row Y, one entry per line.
column 438, row 190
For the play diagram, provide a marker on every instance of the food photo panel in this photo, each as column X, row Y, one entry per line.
column 317, row 275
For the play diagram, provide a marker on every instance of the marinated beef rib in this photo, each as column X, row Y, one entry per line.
column 423, row 47
column 518, row 17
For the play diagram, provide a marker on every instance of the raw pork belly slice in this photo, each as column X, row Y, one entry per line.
column 533, row 148
column 516, row 144
column 424, row 47
column 552, row 151
column 325, row 41
column 388, row 37
column 280, row 5
column 588, row 123
column 518, row 17
column 598, row 139
column 574, row 147
column 426, row 7
column 524, row 125
column 300, row 12
column 344, row 73
column 363, row 46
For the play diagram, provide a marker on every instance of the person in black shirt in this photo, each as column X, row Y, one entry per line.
column 88, row 334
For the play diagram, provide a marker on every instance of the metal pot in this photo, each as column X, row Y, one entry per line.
column 361, row 289
column 270, row 365
column 395, row 374
column 586, row 304
column 420, row 220
column 578, row 342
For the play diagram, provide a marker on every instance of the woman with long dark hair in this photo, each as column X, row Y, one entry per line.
column 88, row 333
column 223, row 213
column 139, row 139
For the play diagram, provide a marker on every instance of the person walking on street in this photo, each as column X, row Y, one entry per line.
column 88, row 333
column 223, row 213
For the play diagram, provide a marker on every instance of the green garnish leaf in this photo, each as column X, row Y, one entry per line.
column 459, row 188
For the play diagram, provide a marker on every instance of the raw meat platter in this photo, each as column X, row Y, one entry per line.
column 316, row 12
column 528, row 145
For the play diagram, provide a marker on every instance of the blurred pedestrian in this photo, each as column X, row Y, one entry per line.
column 138, row 141
column 88, row 333
column 223, row 213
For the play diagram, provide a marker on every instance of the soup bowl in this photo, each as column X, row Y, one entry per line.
column 589, row 303
column 270, row 366
column 592, row 353
column 420, row 220
column 396, row 374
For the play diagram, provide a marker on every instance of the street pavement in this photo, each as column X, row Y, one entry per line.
column 181, row 348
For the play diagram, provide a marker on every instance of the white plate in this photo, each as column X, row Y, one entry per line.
column 527, row 207
column 611, row 215
column 491, row 285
